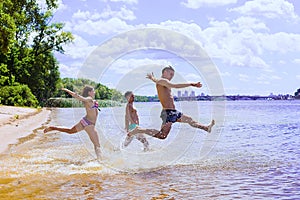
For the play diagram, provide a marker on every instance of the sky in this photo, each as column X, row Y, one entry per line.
column 230, row 46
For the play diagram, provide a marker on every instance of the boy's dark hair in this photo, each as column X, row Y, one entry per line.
column 86, row 90
column 127, row 94
column 169, row 67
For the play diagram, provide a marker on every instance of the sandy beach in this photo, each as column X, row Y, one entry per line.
column 19, row 122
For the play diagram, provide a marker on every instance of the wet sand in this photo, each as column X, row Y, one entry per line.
column 19, row 122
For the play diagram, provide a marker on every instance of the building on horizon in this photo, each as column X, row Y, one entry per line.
column 185, row 94
column 192, row 94
column 179, row 94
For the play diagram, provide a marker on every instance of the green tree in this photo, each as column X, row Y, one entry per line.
column 141, row 98
column 17, row 95
column 102, row 91
column 28, row 57
column 297, row 93
column 7, row 26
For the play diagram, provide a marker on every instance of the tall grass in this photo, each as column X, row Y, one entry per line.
column 71, row 102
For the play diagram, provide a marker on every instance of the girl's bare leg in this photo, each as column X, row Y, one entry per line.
column 78, row 127
column 191, row 122
column 93, row 135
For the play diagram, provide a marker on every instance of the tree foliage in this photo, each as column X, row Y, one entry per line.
column 27, row 42
column 7, row 26
column 101, row 91
column 297, row 93
column 17, row 95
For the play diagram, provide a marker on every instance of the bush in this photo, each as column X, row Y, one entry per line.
column 17, row 95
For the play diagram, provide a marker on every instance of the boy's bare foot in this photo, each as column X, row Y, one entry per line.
column 146, row 148
column 127, row 141
column 212, row 123
column 48, row 129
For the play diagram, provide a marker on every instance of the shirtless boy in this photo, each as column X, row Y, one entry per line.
column 169, row 114
column 132, row 122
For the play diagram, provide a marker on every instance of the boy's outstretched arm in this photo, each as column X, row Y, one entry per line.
column 151, row 77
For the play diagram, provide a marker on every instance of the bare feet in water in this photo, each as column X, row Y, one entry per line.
column 212, row 123
column 98, row 153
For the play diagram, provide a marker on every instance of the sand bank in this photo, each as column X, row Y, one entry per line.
column 18, row 122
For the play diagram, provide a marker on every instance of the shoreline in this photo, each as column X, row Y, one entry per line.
column 19, row 122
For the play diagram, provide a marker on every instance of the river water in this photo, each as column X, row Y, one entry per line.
column 252, row 153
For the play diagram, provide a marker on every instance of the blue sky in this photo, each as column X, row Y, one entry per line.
column 253, row 45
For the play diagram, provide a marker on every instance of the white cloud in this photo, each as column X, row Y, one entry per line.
column 296, row 61
column 80, row 48
column 225, row 74
column 61, row 5
column 106, row 22
column 243, row 23
column 123, row 1
column 191, row 77
column 241, row 42
column 243, row 77
column 282, row 62
column 84, row 15
column 267, row 78
column 68, row 70
column 233, row 45
column 263, row 82
column 113, row 25
column 298, row 76
column 191, row 30
column 280, row 42
column 194, row 4
column 223, row 40
column 123, row 13
column 268, row 8
column 123, row 66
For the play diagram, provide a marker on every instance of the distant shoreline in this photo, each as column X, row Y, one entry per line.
column 71, row 102
column 228, row 98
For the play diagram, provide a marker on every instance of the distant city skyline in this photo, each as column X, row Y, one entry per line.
column 186, row 93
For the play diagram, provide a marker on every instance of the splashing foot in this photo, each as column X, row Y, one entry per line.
column 209, row 127
column 48, row 129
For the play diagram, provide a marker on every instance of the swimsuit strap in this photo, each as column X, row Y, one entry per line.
column 96, row 105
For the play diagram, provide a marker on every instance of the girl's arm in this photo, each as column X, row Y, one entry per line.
column 75, row 95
